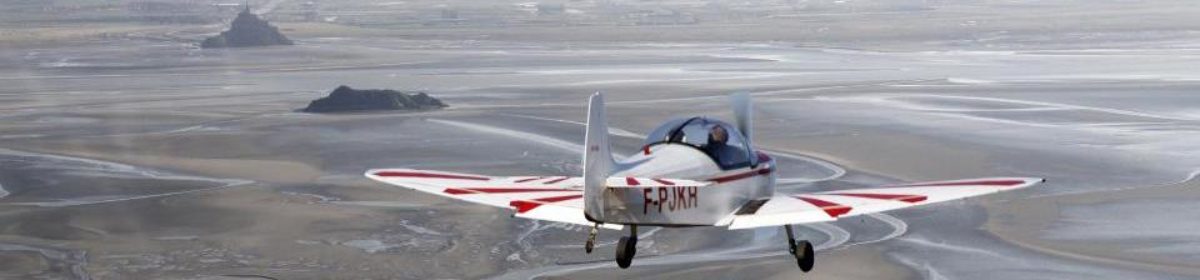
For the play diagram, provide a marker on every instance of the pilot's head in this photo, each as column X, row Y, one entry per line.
column 717, row 135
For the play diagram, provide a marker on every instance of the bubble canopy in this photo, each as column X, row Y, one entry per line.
column 719, row 140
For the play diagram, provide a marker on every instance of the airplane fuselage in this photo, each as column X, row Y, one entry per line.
column 728, row 191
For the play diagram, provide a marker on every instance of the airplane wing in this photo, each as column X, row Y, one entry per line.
column 548, row 198
column 786, row 209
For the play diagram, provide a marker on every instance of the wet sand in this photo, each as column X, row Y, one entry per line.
column 153, row 159
column 1026, row 222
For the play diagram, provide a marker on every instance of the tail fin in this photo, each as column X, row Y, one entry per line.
column 743, row 109
column 598, row 161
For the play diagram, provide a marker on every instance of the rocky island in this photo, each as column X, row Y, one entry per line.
column 247, row 30
column 346, row 99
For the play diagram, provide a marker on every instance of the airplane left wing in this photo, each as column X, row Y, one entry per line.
column 787, row 209
column 548, row 198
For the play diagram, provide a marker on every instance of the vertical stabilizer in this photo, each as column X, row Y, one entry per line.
column 598, row 161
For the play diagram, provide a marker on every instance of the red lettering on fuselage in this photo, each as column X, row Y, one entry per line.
column 662, row 197
column 647, row 200
column 680, row 199
column 670, row 199
column 693, row 194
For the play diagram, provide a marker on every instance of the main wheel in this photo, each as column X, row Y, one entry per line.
column 587, row 247
column 626, row 248
column 805, row 258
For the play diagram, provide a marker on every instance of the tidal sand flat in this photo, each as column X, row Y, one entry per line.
column 130, row 153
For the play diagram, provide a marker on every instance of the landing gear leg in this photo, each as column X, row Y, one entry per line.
column 627, row 247
column 591, row 241
column 803, row 251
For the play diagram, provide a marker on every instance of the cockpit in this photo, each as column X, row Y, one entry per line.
column 719, row 140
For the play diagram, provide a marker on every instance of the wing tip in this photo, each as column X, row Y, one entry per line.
column 371, row 174
column 1031, row 181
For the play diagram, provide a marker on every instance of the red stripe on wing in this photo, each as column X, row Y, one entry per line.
column 503, row 190
column 523, row 206
column 910, row 198
column 1004, row 183
column 664, row 182
column 631, row 181
column 559, row 198
column 528, row 179
column 560, row 179
column 429, row 175
column 832, row 209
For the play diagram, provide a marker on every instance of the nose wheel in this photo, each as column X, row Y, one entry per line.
column 627, row 248
column 803, row 251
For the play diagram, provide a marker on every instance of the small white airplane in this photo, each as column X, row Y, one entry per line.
column 691, row 172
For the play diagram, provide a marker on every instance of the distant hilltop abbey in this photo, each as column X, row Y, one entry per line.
column 247, row 30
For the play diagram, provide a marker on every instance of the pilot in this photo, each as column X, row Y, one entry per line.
column 716, row 147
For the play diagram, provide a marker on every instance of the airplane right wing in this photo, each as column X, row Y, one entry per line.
column 787, row 209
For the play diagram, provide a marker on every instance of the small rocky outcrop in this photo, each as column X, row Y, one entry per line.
column 346, row 99
column 247, row 30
